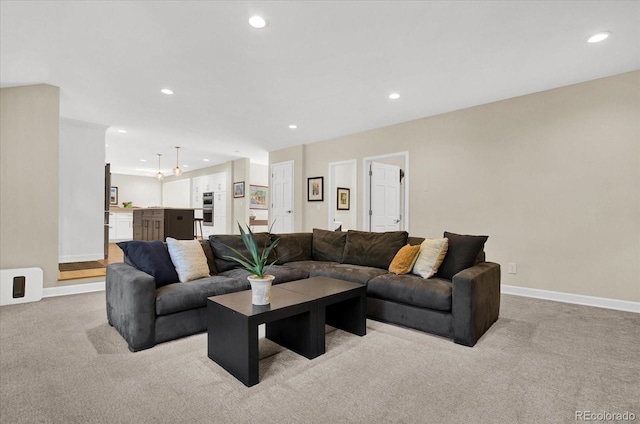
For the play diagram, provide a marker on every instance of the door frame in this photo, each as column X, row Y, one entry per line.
column 332, row 190
column 366, row 192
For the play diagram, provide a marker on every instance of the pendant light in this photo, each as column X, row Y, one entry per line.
column 177, row 171
column 159, row 175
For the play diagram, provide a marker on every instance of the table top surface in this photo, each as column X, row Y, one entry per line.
column 319, row 287
column 286, row 295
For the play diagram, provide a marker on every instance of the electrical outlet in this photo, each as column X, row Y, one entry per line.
column 513, row 268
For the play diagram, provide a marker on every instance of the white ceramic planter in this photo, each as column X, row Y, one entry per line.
column 260, row 289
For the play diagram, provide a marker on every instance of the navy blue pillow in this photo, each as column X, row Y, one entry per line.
column 153, row 258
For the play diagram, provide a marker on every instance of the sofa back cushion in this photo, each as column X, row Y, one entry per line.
column 373, row 249
column 414, row 241
column 293, row 247
column 328, row 245
column 151, row 257
column 461, row 253
column 208, row 252
column 221, row 244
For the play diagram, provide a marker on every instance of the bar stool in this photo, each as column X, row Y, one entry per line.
column 197, row 222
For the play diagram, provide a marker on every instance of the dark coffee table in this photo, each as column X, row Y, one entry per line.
column 295, row 319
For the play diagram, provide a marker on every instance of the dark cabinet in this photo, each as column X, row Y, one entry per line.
column 158, row 224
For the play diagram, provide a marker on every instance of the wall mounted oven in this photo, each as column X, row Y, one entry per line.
column 207, row 208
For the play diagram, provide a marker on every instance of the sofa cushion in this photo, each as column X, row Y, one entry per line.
column 222, row 244
column 432, row 253
column 414, row 240
column 403, row 262
column 188, row 258
column 183, row 297
column 461, row 254
column 281, row 273
column 208, row 252
column 309, row 266
column 328, row 245
column 355, row 273
column 151, row 257
column 434, row 293
column 373, row 249
column 293, row 247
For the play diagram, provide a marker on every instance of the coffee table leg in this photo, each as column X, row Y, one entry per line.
column 297, row 333
column 349, row 315
column 233, row 343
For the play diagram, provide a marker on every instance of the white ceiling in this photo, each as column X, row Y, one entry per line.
column 326, row 66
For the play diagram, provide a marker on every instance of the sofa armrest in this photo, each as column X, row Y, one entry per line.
column 131, row 304
column 475, row 301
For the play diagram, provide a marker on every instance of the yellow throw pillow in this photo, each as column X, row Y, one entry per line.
column 404, row 259
column 431, row 255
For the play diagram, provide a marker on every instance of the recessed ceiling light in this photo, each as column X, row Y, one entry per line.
column 106, row 145
column 293, row 126
column 206, row 160
column 257, row 22
column 143, row 160
column 596, row 38
column 166, row 91
column 122, row 131
column 185, row 166
column 394, row 96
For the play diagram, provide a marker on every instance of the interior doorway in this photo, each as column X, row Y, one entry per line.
column 381, row 206
column 343, row 208
column 281, row 213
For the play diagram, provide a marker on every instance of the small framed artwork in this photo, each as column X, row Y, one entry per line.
column 113, row 196
column 258, row 197
column 344, row 199
column 315, row 189
column 238, row 189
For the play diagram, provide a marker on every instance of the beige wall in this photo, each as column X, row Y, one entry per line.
column 29, row 134
column 553, row 178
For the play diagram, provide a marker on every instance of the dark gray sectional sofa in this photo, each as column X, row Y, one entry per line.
column 461, row 302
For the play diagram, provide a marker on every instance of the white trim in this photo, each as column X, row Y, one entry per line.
column 72, row 289
column 578, row 299
column 84, row 257
column 84, row 124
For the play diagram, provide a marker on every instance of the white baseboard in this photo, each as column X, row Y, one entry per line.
column 73, row 289
column 599, row 302
column 578, row 299
column 81, row 258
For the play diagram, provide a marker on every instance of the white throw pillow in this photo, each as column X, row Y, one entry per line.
column 432, row 253
column 188, row 258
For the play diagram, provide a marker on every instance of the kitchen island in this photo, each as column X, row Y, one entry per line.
column 160, row 223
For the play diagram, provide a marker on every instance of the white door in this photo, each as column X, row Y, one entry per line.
column 385, row 197
column 281, row 216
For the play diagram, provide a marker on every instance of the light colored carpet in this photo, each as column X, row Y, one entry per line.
column 60, row 362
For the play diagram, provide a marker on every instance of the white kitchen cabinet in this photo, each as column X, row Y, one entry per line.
column 220, row 212
column 120, row 226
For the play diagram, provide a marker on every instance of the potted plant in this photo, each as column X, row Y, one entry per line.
column 257, row 264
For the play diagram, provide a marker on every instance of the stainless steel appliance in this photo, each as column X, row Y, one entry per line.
column 207, row 209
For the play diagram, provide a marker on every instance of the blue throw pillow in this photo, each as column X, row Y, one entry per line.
column 153, row 258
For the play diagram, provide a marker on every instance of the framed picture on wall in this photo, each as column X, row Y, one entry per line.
column 113, row 196
column 315, row 189
column 258, row 197
column 344, row 199
column 238, row 189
